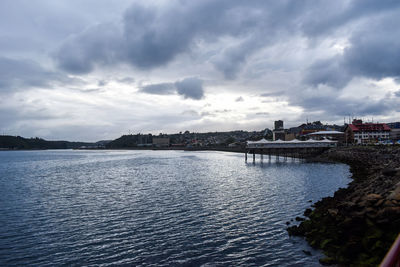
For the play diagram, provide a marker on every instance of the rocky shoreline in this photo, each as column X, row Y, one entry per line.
column 357, row 226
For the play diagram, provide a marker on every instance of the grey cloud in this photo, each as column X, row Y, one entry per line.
column 24, row 74
column 222, row 111
column 190, row 112
column 98, row 45
column 373, row 53
column 232, row 58
column 330, row 72
column 239, row 99
column 207, row 114
column 397, row 93
column 330, row 105
column 127, row 80
column 92, row 90
column 159, row 89
column 102, row 83
column 190, row 88
column 275, row 93
column 152, row 36
column 326, row 17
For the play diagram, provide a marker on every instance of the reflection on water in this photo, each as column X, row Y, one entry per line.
column 156, row 208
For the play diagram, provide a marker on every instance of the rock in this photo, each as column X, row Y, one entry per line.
column 307, row 212
column 389, row 213
column 388, row 203
column 299, row 219
column 373, row 197
column 389, row 172
column 333, row 212
column 327, row 261
column 379, row 202
column 287, row 223
column 294, row 231
column 308, row 253
column 358, row 224
column 395, row 194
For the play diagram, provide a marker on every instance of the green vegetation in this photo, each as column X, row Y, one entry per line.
column 18, row 142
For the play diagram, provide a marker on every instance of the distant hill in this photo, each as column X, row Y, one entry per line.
column 18, row 142
column 127, row 141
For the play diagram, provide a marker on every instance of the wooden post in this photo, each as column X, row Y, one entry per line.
column 245, row 156
column 254, row 156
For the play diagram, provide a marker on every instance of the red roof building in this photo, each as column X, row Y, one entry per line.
column 364, row 133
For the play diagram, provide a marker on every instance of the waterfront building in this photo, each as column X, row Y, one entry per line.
column 365, row 133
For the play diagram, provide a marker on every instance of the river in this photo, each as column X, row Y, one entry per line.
column 156, row 208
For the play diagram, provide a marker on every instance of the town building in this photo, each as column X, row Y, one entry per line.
column 366, row 133
column 161, row 141
column 394, row 131
column 279, row 132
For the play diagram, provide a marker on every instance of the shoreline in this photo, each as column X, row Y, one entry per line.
column 358, row 225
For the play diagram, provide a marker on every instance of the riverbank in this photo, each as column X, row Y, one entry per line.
column 357, row 226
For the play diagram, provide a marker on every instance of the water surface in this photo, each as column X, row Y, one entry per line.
column 156, row 208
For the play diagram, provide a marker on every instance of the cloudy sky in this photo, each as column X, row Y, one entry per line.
column 96, row 69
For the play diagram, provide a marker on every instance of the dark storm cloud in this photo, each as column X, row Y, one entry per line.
column 24, row 74
column 152, row 36
column 188, row 88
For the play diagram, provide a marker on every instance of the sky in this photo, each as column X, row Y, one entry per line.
column 89, row 70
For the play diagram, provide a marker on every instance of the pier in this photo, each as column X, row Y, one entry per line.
column 292, row 149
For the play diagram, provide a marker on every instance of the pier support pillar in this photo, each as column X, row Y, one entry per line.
column 254, row 156
column 245, row 156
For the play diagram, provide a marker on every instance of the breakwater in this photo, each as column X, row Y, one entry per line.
column 357, row 226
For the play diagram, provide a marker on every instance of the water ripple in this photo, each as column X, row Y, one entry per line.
column 151, row 208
